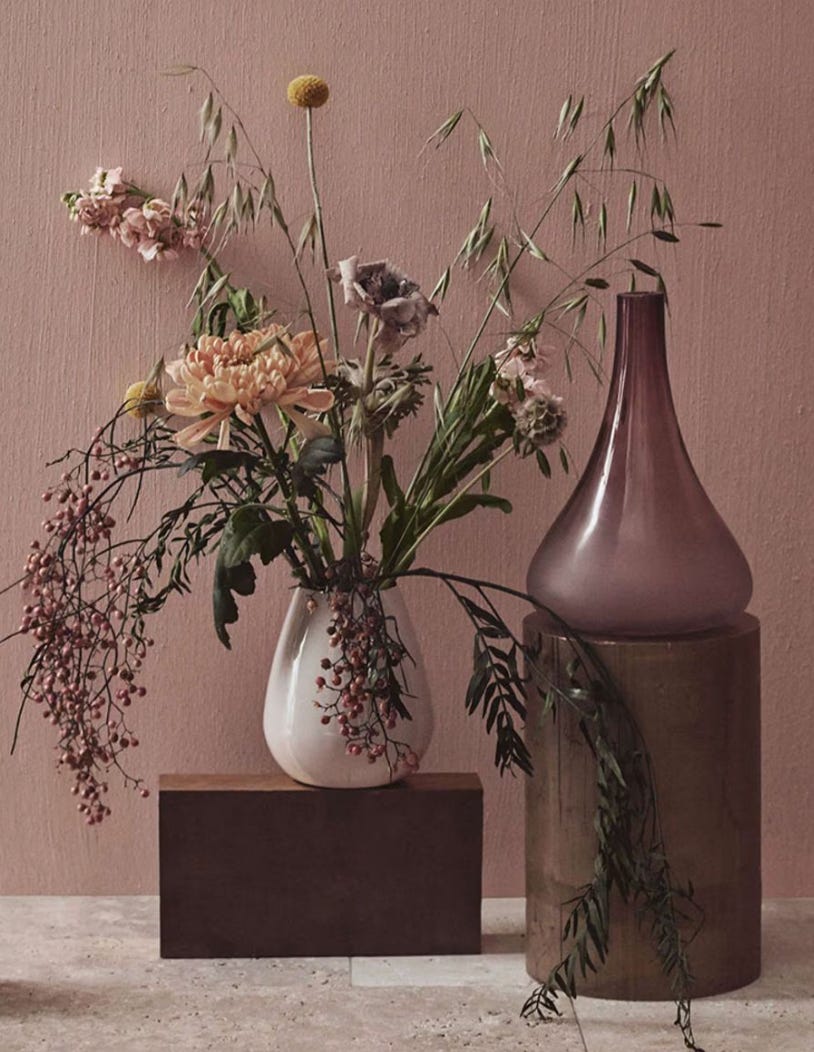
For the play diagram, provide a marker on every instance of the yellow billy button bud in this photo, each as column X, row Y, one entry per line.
column 142, row 399
column 308, row 91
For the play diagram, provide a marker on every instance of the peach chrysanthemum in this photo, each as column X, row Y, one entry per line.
column 243, row 373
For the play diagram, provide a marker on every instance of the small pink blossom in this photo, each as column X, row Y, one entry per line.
column 521, row 366
column 520, row 384
column 152, row 231
column 97, row 214
column 108, row 182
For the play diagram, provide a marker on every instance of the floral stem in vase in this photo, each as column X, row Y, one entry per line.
column 374, row 442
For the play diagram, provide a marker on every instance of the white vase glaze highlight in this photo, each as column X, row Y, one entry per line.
column 315, row 753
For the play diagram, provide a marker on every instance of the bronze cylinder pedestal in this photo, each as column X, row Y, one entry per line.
column 696, row 699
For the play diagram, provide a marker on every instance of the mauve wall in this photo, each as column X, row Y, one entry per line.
column 82, row 318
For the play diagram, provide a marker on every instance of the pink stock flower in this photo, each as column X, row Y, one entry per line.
column 150, row 225
column 244, row 373
column 520, row 385
column 520, row 366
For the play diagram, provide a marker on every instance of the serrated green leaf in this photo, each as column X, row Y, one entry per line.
column 249, row 532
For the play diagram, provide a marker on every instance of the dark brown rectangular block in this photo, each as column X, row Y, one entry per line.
column 261, row 866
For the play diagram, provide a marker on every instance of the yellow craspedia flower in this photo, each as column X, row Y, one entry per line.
column 142, row 399
column 308, row 91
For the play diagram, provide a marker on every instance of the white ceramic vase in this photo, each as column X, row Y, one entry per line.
column 309, row 750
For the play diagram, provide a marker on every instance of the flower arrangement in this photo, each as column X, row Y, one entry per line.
column 281, row 432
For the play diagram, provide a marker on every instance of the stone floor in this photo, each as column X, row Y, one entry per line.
column 84, row 973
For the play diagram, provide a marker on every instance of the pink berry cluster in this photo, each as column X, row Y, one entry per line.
column 150, row 225
column 359, row 689
column 89, row 648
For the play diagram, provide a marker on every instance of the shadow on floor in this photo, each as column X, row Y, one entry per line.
column 22, row 999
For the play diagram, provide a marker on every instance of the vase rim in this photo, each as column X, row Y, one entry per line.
column 639, row 295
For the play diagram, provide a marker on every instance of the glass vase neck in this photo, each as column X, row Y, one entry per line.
column 639, row 548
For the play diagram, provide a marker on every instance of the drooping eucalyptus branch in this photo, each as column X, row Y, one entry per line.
column 631, row 857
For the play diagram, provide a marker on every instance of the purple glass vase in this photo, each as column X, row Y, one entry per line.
column 639, row 549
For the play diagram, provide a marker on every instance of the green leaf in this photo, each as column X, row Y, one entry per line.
column 665, row 235
column 244, row 307
column 468, row 502
column 216, row 462
column 315, row 457
column 392, row 490
column 543, row 464
column 249, row 532
column 597, row 283
column 239, row 579
column 216, row 319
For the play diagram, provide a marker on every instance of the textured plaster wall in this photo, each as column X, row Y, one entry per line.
column 81, row 318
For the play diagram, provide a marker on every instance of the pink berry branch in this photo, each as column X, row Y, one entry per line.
column 362, row 689
column 87, row 594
